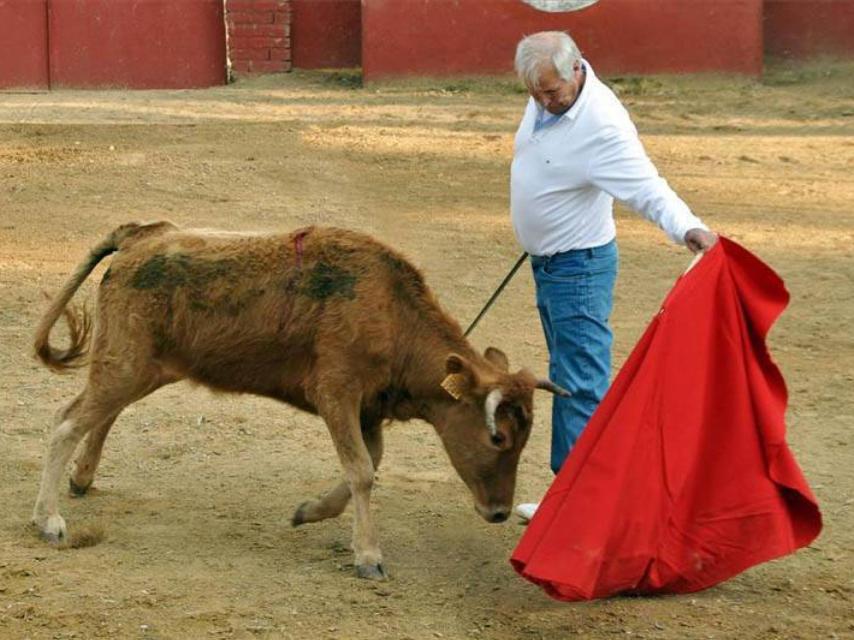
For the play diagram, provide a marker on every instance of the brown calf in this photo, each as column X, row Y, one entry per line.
column 327, row 320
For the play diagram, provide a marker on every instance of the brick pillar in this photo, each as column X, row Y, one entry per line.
column 259, row 35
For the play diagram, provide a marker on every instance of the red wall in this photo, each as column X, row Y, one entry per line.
column 804, row 28
column 259, row 35
column 143, row 44
column 327, row 33
column 23, row 44
column 437, row 37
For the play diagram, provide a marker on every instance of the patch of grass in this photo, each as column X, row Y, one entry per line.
column 821, row 70
column 344, row 78
column 451, row 85
column 634, row 85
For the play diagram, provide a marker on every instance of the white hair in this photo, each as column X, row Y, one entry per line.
column 539, row 49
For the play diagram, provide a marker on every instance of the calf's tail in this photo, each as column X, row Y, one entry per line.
column 79, row 320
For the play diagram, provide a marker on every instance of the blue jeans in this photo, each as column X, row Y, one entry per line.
column 575, row 293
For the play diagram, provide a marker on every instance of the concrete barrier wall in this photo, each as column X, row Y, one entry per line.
column 439, row 37
column 23, row 44
column 807, row 28
column 327, row 33
column 137, row 43
column 169, row 43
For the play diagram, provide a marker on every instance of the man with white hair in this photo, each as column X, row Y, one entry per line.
column 576, row 150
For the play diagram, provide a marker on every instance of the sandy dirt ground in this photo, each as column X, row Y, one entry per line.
column 186, row 533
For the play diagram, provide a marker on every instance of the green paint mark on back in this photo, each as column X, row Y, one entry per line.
column 152, row 274
column 180, row 270
column 166, row 274
column 326, row 280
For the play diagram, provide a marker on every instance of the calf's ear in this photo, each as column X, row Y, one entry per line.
column 497, row 357
column 455, row 363
column 460, row 379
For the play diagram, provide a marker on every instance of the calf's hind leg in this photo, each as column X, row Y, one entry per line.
column 87, row 463
column 94, row 408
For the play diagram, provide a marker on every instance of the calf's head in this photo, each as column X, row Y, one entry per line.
column 486, row 428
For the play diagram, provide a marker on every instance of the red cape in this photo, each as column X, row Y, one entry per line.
column 682, row 477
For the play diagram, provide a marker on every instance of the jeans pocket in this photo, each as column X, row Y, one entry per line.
column 565, row 270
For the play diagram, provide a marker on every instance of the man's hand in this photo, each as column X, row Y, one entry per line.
column 700, row 240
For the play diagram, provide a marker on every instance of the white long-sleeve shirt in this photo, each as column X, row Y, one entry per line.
column 566, row 175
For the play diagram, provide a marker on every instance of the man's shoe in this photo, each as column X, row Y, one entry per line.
column 527, row 510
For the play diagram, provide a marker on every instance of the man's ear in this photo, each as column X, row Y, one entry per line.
column 497, row 357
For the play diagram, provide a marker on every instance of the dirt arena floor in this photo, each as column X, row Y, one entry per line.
column 186, row 533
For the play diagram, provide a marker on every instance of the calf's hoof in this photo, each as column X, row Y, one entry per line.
column 53, row 530
column 77, row 490
column 371, row 572
column 299, row 515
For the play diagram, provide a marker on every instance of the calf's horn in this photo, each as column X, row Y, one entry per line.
column 548, row 385
column 491, row 404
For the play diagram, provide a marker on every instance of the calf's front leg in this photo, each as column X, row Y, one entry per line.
column 341, row 413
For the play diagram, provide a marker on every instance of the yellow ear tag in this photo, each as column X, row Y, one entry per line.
column 453, row 384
